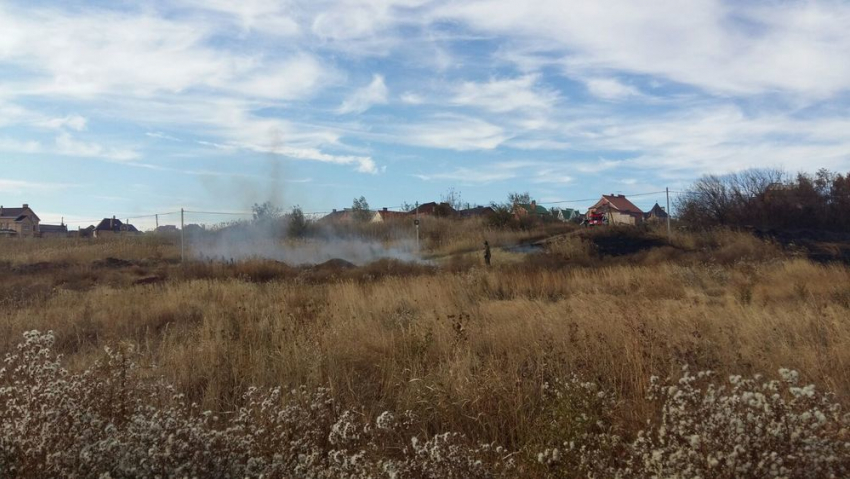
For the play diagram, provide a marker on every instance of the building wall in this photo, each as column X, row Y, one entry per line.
column 26, row 228
column 104, row 233
column 619, row 218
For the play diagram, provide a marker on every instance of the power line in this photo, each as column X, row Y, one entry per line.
column 314, row 213
column 231, row 213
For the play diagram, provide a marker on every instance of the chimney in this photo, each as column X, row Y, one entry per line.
column 385, row 209
column 112, row 223
column 26, row 206
column 334, row 211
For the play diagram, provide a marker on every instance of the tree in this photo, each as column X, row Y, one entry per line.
column 502, row 215
column 409, row 207
column 266, row 211
column 360, row 210
column 519, row 198
column 452, row 198
column 297, row 224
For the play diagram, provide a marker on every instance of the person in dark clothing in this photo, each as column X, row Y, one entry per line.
column 487, row 253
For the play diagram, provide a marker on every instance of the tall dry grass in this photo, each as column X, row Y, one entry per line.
column 467, row 349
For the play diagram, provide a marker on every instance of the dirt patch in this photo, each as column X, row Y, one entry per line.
column 333, row 265
column 40, row 267
column 111, row 262
column 623, row 242
column 820, row 246
column 149, row 280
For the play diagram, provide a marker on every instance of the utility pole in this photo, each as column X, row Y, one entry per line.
column 157, row 221
column 668, row 211
column 416, row 222
column 182, row 236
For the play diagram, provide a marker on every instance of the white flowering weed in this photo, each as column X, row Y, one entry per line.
column 110, row 422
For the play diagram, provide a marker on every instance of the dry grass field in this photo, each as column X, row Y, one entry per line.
column 452, row 347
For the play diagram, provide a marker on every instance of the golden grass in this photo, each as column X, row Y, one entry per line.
column 466, row 347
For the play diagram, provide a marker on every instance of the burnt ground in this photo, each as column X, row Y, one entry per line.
column 820, row 246
column 624, row 242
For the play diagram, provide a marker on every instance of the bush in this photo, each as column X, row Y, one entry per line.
column 743, row 428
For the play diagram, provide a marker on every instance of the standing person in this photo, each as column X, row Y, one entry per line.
column 487, row 253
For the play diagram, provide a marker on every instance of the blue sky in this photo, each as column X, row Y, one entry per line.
column 130, row 108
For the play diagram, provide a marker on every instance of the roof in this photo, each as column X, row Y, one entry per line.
column 477, row 211
column 567, row 212
column 109, row 224
column 619, row 203
column 337, row 215
column 116, row 225
column 537, row 210
column 657, row 211
column 434, row 208
column 17, row 213
column 387, row 214
column 52, row 228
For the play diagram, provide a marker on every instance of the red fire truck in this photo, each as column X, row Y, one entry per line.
column 596, row 218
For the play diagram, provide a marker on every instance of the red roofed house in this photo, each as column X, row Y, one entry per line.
column 434, row 209
column 618, row 209
column 387, row 215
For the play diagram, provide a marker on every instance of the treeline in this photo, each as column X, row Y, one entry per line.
column 768, row 199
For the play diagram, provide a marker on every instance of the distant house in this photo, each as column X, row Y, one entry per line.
column 113, row 227
column 657, row 213
column 86, row 232
column 386, row 215
column 18, row 222
column 477, row 212
column 166, row 229
column 338, row 216
column 618, row 210
column 530, row 209
column 194, row 229
column 53, row 231
column 434, row 209
column 566, row 215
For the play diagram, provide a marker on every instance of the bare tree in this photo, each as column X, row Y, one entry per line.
column 452, row 198
column 360, row 209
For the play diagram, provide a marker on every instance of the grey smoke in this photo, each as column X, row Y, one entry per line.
column 267, row 240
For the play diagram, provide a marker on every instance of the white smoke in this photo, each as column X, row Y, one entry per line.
column 267, row 240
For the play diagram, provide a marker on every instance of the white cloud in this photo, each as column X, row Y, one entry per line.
column 411, row 98
column 722, row 138
column 799, row 47
column 537, row 172
column 454, row 133
column 19, row 146
column 69, row 146
column 16, row 187
column 363, row 164
column 361, row 100
column 74, row 122
column 103, row 52
column 610, row 88
column 266, row 16
column 162, row 136
column 501, row 96
column 294, row 78
column 468, row 175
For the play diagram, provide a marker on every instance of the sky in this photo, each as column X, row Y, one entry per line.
column 135, row 108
